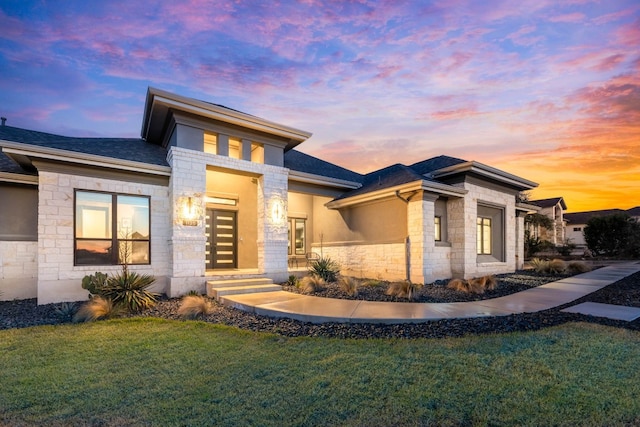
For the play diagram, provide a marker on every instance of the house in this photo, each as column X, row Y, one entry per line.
column 209, row 194
column 553, row 209
column 577, row 221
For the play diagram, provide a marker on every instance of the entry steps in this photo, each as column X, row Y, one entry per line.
column 220, row 288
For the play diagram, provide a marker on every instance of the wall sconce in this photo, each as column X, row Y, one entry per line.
column 189, row 210
column 277, row 211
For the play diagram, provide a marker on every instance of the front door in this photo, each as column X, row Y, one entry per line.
column 221, row 232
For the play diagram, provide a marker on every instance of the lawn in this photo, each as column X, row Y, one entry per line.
column 163, row 372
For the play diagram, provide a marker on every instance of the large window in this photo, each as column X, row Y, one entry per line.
column 484, row 236
column 297, row 241
column 111, row 229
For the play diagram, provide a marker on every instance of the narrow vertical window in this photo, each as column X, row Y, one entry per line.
column 484, row 236
column 300, row 236
column 438, row 229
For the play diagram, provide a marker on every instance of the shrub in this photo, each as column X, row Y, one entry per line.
column 578, row 267
column 404, row 289
column 373, row 283
column 193, row 292
column 557, row 266
column 194, row 306
column 96, row 308
column 566, row 249
column 131, row 290
column 293, row 281
column 616, row 234
column 325, row 268
column 349, row 285
column 458, row 285
column 312, row 284
column 65, row 311
column 540, row 265
column 475, row 286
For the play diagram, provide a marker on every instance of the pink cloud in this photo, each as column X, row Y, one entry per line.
column 573, row 18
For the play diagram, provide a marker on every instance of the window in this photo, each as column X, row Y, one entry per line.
column 210, row 143
column 577, row 228
column 484, row 236
column 438, row 229
column 297, row 239
column 111, row 229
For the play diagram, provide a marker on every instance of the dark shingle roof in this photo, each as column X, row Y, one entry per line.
column 297, row 161
column 584, row 217
column 134, row 149
column 547, row 203
column 435, row 163
column 634, row 211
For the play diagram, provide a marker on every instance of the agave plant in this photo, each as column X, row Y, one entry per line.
column 326, row 268
column 131, row 290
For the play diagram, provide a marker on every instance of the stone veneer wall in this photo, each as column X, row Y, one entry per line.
column 18, row 270
column 58, row 279
column 462, row 215
column 385, row 261
column 188, row 242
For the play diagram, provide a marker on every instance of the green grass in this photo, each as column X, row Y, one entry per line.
column 160, row 372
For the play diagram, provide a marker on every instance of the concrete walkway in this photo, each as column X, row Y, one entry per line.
column 322, row 310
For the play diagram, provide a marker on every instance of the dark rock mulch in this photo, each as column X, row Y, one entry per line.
column 438, row 292
column 19, row 314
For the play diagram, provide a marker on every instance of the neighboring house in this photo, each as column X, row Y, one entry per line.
column 209, row 193
column 553, row 209
column 577, row 221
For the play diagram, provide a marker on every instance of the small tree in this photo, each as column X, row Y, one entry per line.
column 612, row 235
column 533, row 244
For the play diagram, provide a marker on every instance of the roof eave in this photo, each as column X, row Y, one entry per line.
column 310, row 178
column 157, row 97
column 486, row 171
column 443, row 189
column 18, row 178
column 21, row 150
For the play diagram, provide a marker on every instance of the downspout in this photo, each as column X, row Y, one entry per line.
column 407, row 240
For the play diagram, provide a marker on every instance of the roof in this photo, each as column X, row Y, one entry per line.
column 160, row 105
column 634, row 211
column 584, row 217
column 547, row 203
column 133, row 149
column 435, row 163
column 301, row 162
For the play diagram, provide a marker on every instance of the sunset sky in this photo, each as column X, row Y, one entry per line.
column 547, row 90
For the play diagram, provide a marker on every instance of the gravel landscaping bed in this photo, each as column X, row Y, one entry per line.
column 25, row 313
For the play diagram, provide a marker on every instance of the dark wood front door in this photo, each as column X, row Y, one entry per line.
column 221, row 231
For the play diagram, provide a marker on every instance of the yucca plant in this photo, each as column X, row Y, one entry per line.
column 194, row 306
column 325, row 268
column 131, row 290
column 404, row 289
column 349, row 285
column 312, row 284
column 97, row 308
column 293, row 280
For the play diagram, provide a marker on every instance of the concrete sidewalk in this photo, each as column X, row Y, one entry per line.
column 322, row 310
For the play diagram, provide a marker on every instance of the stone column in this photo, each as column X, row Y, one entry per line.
column 421, row 229
column 187, row 238
column 272, row 224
